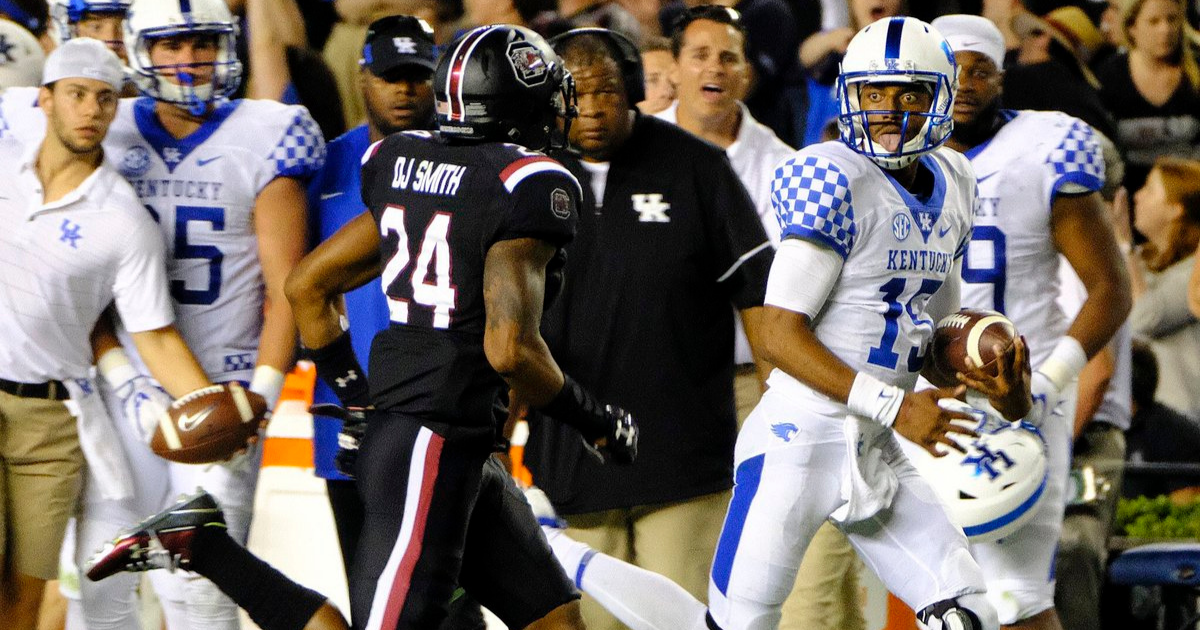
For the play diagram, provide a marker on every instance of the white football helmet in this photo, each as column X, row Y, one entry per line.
column 997, row 486
column 897, row 50
column 65, row 14
column 149, row 20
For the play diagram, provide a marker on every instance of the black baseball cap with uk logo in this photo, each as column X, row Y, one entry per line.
column 397, row 41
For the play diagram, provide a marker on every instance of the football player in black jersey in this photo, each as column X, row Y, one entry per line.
column 466, row 224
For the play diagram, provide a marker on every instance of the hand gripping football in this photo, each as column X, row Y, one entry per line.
column 209, row 425
column 971, row 333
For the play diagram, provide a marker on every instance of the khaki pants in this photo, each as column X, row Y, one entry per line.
column 41, row 465
column 826, row 591
column 676, row 540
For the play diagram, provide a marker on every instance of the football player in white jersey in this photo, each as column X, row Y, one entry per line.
column 223, row 178
column 99, row 19
column 1038, row 173
column 874, row 227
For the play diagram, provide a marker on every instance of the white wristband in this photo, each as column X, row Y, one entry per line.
column 116, row 368
column 875, row 399
column 1065, row 362
column 268, row 383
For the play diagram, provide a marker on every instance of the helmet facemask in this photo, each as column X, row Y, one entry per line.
column 934, row 124
column 151, row 21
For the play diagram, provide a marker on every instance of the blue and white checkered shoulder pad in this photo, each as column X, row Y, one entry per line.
column 1078, row 159
column 301, row 150
column 811, row 197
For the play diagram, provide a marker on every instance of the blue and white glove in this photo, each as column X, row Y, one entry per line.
column 143, row 401
column 1047, row 399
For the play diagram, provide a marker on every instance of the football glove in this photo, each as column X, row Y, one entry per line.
column 621, row 439
column 1046, row 399
column 354, row 426
column 144, row 403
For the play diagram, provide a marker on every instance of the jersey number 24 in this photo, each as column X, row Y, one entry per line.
column 433, row 260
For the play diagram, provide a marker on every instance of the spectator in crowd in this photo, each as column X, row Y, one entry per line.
column 80, row 239
column 771, row 41
column 1167, row 212
column 821, row 53
column 1056, row 50
column 630, row 320
column 657, row 63
column 571, row 14
column 1153, row 90
column 21, row 66
column 1158, row 434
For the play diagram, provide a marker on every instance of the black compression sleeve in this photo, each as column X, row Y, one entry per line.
column 339, row 368
column 576, row 406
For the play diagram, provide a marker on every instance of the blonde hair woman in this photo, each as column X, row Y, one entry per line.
column 1167, row 212
column 1153, row 89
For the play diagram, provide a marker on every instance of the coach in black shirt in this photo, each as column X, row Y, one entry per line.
column 668, row 239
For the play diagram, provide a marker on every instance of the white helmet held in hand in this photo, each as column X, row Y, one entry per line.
column 180, row 84
column 897, row 50
column 997, row 485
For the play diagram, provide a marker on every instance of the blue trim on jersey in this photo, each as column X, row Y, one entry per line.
column 997, row 523
column 891, row 47
column 811, row 198
column 339, row 183
column 745, row 486
column 931, row 205
column 160, row 139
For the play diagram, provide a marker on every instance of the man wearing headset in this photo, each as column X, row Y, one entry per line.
column 668, row 245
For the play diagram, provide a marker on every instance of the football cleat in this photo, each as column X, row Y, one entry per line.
column 162, row 541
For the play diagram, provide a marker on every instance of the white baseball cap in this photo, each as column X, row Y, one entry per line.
column 972, row 33
column 22, row 57
column 84, row 57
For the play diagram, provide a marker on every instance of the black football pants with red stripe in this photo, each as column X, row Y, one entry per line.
column 442, row 512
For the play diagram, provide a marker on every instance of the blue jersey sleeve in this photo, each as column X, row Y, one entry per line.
column 811, row 197
column 1077, row 161
column 301, row 151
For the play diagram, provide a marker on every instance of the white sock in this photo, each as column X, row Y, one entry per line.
column 640, row 599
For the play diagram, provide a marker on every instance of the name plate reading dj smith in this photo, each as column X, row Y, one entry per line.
column 426, row 176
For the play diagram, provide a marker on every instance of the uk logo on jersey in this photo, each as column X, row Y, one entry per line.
column 651, row 208
column 528, row 63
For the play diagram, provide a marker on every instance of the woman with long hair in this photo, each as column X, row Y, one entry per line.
column 1167, row 212
column 1153, row 90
